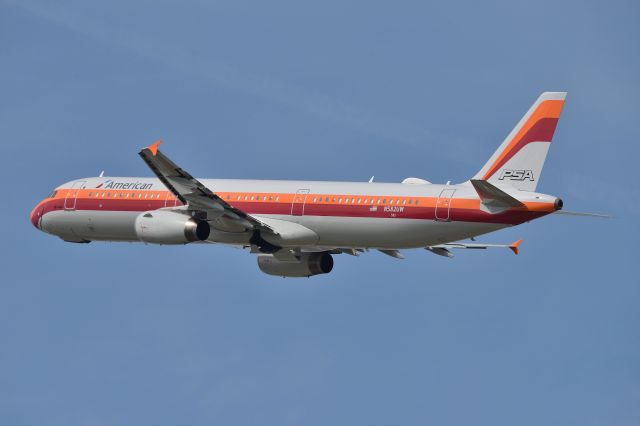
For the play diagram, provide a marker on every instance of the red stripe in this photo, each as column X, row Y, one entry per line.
column 542, row 131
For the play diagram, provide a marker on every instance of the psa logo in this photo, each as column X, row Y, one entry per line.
column 516, row 175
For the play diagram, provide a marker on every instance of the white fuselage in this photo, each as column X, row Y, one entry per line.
column 336, row 214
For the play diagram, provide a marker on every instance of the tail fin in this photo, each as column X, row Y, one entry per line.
column 518, row 161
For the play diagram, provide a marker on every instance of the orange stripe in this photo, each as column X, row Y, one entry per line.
column 232, row 197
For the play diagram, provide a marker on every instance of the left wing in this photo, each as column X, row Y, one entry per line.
column 443, row 249
column 195, row 195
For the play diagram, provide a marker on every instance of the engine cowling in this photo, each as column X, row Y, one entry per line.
column 308, row 265
column 166, row 227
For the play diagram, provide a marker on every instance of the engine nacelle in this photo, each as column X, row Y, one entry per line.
column 308, row 265
column 166, row 227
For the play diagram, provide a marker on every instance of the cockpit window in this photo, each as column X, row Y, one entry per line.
column 53, row 194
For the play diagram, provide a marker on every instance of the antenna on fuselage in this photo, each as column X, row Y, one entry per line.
column 371, row 180
column 101, row 173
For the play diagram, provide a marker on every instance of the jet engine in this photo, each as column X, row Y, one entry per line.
column 167, row 227
column 308, row 265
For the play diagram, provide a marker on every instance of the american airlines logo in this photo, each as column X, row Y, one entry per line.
column 110, row 184
column 516, row 175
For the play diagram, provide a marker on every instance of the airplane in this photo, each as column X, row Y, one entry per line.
column 295, row 227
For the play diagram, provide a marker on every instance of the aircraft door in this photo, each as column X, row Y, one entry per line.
column 71, row 198
column 170, row 200
column 443, row 204
column 297, row 206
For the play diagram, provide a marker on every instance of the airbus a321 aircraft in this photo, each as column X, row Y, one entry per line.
column 294, row 227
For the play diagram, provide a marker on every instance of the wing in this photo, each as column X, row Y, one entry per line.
column 443, row 249
column 195, row 195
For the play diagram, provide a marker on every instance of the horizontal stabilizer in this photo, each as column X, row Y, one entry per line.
column 493, row 199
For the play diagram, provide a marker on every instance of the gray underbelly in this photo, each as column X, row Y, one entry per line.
column 76, row 225
column 388, row 232
column 79, row 225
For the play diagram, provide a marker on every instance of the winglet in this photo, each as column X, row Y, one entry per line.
column 514, row 246
column 154, row 147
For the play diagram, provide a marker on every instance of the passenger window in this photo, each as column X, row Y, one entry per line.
column 359, row 200
column 339, row 200
column 90, row 194
column 417, row 202
column 404, row 202
column 326, row 200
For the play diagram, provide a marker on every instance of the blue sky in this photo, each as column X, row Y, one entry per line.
column 119, row 334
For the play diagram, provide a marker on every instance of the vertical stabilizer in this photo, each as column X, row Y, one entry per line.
column 519, row 159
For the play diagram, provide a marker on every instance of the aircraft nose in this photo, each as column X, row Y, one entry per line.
column 35, row 215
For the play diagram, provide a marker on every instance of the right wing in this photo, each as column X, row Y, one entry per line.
column 196, row 196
